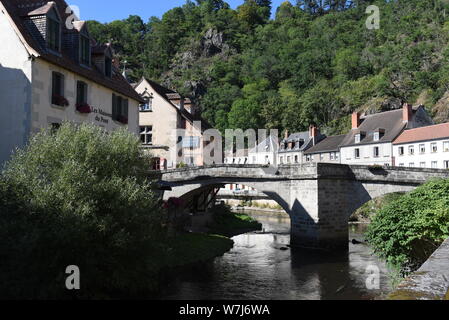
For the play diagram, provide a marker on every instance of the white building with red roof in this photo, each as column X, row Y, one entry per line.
column 426, row 147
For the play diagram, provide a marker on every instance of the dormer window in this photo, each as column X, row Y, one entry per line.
column 378, row 134
column 53, row 34
column 359, row 136
column 85, row 50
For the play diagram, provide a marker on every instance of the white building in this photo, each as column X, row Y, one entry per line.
column 51, row 71
column 370, row 142
column 292, row 148
column 426, row 147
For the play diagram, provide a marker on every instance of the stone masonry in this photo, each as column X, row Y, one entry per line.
column 319, row 197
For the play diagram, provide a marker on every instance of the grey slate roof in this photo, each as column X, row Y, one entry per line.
column 391, row 121
column 268, row 145
column 297, row 137
column 330, row 144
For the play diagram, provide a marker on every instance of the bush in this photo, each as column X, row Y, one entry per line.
column 76, row 197
column 408, row 230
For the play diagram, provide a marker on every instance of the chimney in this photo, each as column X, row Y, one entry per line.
column 313, row 131
column 355, row 120
column 407, row 112
column 286, row 135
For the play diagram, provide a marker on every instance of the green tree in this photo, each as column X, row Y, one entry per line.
column 78, row 197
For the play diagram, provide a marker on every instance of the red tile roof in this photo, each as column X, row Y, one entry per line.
column 439, row 131
column 17, row 9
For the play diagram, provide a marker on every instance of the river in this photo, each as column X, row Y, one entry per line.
column 256, row 269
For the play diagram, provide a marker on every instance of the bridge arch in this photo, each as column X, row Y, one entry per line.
column 319, row 198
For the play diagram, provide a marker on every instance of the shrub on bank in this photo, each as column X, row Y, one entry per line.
column 76, row 197
column 408, row 230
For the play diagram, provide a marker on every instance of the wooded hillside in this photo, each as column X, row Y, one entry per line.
column 316, row 62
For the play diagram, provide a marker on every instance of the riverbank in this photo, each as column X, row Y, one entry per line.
column 189, row 250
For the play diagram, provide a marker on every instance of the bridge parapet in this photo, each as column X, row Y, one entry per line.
column 318, row 197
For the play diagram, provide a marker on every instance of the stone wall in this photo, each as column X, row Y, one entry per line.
column 430, row 282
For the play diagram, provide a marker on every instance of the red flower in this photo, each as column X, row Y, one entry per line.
column 83, row 108
column 59, row 100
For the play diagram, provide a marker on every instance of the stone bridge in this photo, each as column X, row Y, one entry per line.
column 319, row 198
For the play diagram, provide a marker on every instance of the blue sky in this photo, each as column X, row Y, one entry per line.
column 113, row 10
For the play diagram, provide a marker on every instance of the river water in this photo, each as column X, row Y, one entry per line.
column 256, row 269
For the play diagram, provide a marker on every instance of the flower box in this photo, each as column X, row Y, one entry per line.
column 83, row 108
column 59, row 101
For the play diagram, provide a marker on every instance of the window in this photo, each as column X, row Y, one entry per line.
column 296, row 159
column 108, row 67
column 288, row 160
column 446, row 146
column 146, row 135
column 357, row 153
column 376, row 136
column 411, row 150
column 54, row 127
column 308, row 158
column 402, row 165
column 411, row 165
column 57, row 90
column 401, row 151
column 281, row 160
column 57, row 84
column 191, row 142
column 358, row 138
column 54, row 34
column 376, row 152
column 321, row 157
column 332, row 156
column 337, row 156
column 422, row 164
column 81, row 93
column 85, row 50
column 422, row 148
column 434, row 147
column 446, row 164
column 434, row 164
column 267, row 160
column 148, row 105
column 119, row 109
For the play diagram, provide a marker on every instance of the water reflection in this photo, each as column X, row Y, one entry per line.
column 257, row 268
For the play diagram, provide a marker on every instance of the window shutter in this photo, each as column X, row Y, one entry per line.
column 125, row 108
column 114, row 107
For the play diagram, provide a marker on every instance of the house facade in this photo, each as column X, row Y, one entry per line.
column 292, row 147
column 426, row 147
column 52, row 71
column 170, row 129
column 370, row 142
column 327, row 150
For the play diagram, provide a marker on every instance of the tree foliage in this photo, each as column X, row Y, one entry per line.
column 310, row 47
column 76, row 197
column 408, row 230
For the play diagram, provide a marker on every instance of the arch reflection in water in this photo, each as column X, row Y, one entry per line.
column 257, row 268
